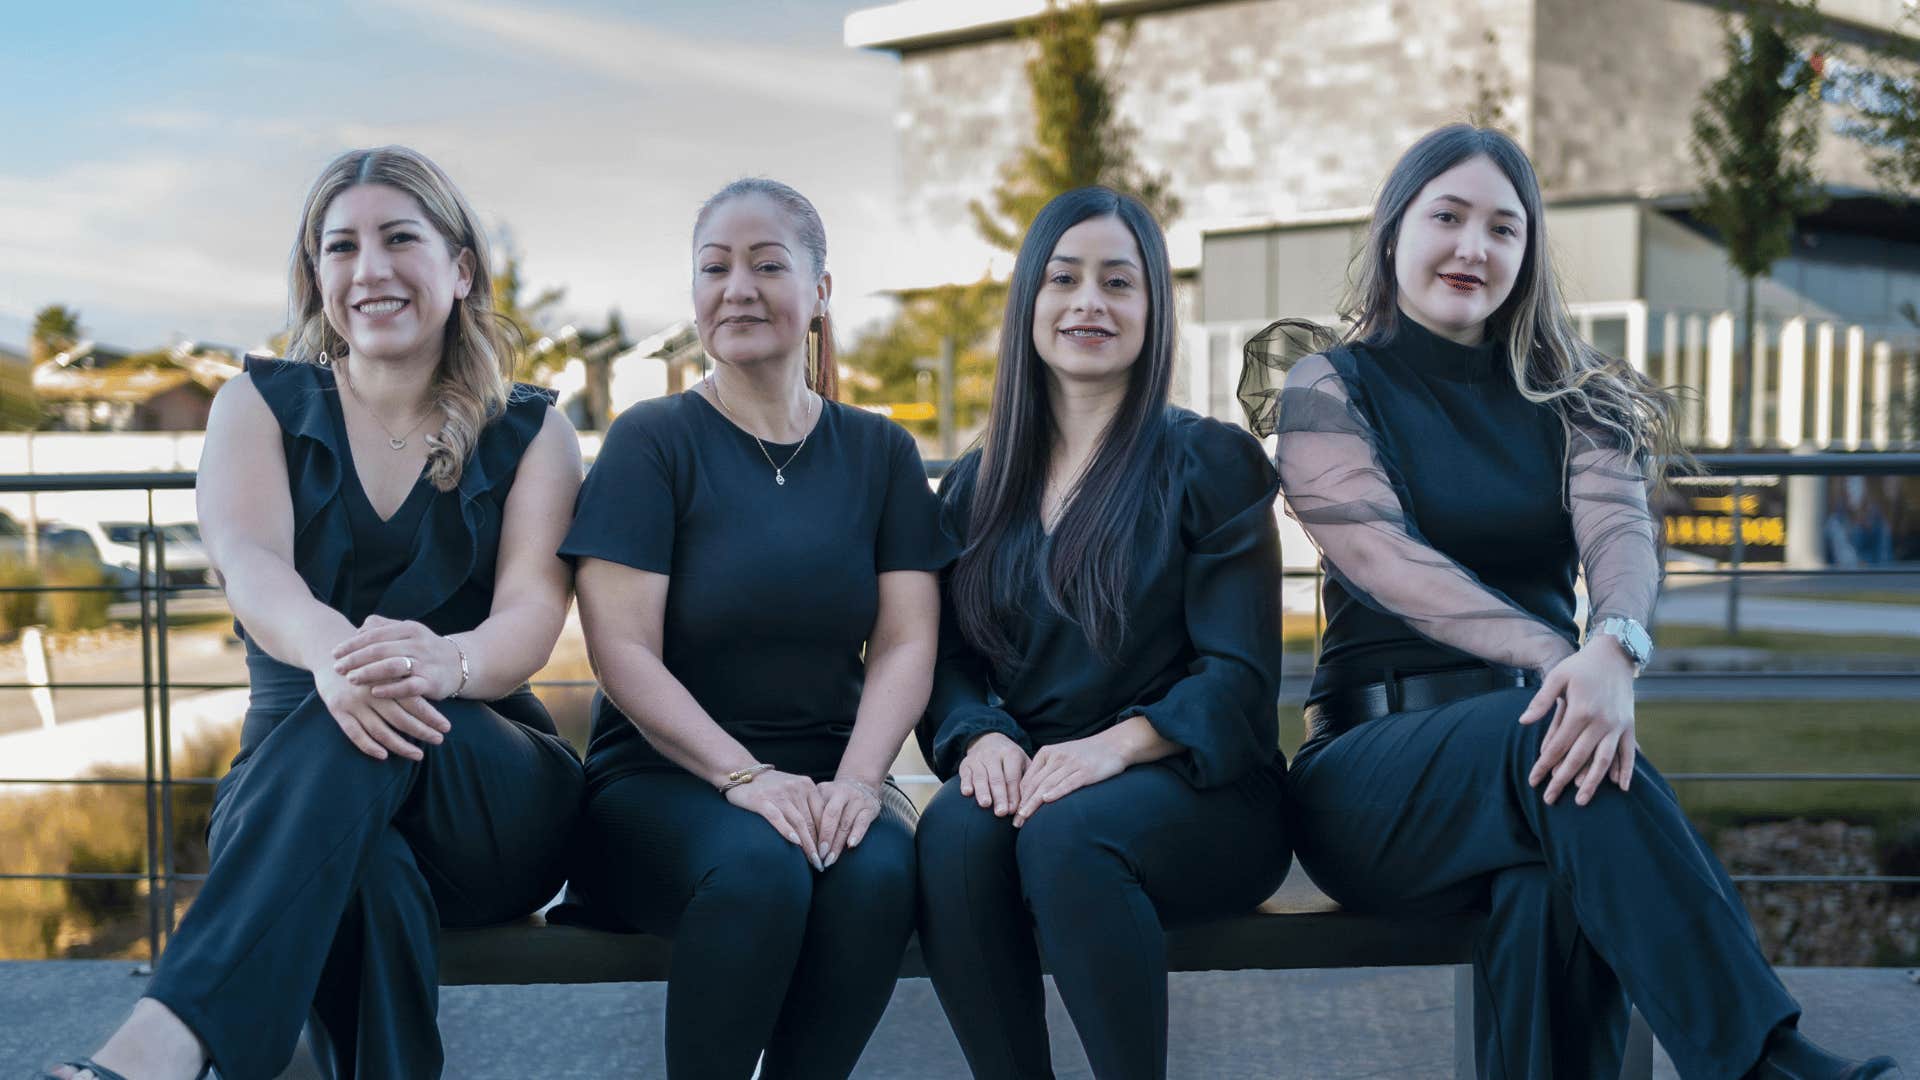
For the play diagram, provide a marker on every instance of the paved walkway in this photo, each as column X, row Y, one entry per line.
column 1395, row 1022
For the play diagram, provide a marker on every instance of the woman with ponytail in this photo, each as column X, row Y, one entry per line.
column 757, row 588
column 383, row 508
column 1456, row 457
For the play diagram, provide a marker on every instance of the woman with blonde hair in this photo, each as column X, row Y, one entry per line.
column 384, row 508
column 1456, row 457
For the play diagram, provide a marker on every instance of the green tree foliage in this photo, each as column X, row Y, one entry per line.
column 1078, row 139
column 1755, row 133
column 530, row 316
column 896, row 357
column 1078, row 136
column 1885, row 100
column 56, row 328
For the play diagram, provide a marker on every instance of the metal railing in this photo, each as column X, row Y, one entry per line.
column 156, row 686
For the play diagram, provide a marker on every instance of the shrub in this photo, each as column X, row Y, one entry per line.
column 17, row 609
column 76, row 610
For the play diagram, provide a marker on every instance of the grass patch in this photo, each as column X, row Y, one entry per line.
column 1684, row 637
column 1773, row 737
column 1891, row 597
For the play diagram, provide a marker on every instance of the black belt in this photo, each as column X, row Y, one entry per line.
column 1345, row 709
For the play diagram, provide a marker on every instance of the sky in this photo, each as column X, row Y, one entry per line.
column 153, row 157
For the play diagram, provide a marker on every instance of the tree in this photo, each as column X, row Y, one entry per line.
column 1755, row 132
column 1885, row 101
column 1078, row 139
column 56, row 328
column 1078, row 136
column 901, row 357
column 529, row 317
column 1491, row 89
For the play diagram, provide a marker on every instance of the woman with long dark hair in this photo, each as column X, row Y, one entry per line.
column 1456, row 457
column 383, row 507
column 1103, row 711
column 758, row 594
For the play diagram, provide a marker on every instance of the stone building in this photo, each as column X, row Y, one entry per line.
column 1276, row 119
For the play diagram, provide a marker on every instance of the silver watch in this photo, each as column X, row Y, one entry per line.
column 1632, row 637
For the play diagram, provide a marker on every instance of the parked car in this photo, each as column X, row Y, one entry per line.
column 119, row 545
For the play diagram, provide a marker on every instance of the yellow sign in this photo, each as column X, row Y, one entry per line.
column 1714, row 531
column 908, row 410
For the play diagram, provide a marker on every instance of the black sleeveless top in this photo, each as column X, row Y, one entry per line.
column 433, row 562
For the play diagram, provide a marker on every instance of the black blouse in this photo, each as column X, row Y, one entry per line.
column 1451, row 512
column 1201, row 656
column 775, row 588
column 1482, row 469
column 434, row 562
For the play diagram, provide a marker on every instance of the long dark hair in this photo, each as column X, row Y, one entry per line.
column 1126, row 480
column 1549, row 361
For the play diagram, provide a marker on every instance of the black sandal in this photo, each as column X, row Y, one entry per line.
column 85, row 1065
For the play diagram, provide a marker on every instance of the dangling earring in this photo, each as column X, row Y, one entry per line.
column 816, row 330
column 324, row 360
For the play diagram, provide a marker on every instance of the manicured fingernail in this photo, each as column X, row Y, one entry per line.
column 831, row 859
column 999, row 808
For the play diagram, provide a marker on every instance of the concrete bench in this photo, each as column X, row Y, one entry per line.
column 1298, row 927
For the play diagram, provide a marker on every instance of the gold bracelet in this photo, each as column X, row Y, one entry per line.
column 743, row 776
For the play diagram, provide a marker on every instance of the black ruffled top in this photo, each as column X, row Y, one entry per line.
column 443, row 577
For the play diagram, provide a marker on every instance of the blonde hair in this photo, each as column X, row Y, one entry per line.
column 476, row 364
column 1549, row 360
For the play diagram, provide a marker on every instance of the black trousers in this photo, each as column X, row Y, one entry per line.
column 1430, row 812
column 768, row 954
column 332, row 873
column 1098, row 876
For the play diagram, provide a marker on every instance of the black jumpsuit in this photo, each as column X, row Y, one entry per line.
column 333, row 872
column 1451, row 513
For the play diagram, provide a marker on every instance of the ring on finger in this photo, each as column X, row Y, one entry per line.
column 409, row 661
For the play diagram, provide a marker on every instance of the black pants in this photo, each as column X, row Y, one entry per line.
column 768, row 954
column 1430, row 812
column 1098, row 875
column 332, row 873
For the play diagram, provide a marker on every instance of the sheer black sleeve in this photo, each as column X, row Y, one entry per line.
column 1338, row 485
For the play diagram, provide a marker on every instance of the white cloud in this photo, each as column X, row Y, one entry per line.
column 599, row 186
column 632, row 52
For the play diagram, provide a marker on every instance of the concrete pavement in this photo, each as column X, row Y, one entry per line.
column 1374, row 1022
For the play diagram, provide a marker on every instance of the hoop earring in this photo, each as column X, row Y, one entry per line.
column 816, row 331
column 323, row 359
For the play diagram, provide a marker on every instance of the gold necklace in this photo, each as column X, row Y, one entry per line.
column 779, row 468
column 397, row 442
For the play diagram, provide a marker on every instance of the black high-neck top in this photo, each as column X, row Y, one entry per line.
column 1481, row 473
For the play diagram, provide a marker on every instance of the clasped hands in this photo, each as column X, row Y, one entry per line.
column 1590, row 738
column 999, row 776
column 822, row 819
column 379, row 683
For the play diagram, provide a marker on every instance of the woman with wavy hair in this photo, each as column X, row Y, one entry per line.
column 1103, row 710
column 1457, row 457
column 383, row 508
column 757, row 589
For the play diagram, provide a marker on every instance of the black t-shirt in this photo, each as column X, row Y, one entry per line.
column 774, row 587
column 1201, row 655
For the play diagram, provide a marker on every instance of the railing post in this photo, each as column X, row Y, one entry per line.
column 1738, row 552
column 146, row 728
column 165, row 695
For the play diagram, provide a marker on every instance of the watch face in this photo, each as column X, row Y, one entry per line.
column 1638, row 643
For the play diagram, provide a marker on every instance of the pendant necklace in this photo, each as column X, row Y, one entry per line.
column 779, row 468
column 397, row 442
